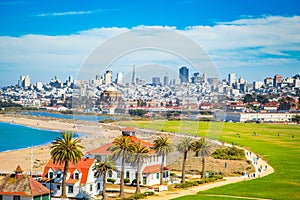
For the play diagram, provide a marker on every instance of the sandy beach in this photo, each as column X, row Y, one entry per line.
column 95, row 134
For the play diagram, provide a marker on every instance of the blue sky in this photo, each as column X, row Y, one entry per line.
column 44, row 38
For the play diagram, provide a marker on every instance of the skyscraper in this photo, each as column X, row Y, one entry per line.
column 108, row 77
column 277, row 80
column 184, row 74
column 231, row 79
column 24, row 81
column 166, row 80
column 119, row 79
column 133, row 76
column 155, row 81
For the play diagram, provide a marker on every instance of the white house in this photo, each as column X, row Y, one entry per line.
column 262, row 117
column 81, row 182
column 150, row 171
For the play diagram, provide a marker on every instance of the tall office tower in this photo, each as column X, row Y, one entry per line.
column 204, row 77
column 196, row 79
column 119, row 79
column 133, row 76
column 20, row 81
column 176, row 81
column 24, row 81
column 71, row 79
column 108, row 77
column 155, row 81
column 231, row 79
column 184, row 74
column 241, row 80
column 166, row 80
column 277, row 80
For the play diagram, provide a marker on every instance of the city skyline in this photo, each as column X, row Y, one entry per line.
column 254, row 37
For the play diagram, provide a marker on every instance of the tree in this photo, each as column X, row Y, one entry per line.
column 197, row 145
column 122, row 149
column 65, row 149
column 248, row 98
column 163, row 147
column 184, row 147
column 139, row 157
column 206, row 150
column 102, row 168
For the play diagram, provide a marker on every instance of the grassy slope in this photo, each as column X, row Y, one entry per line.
column 282, row 152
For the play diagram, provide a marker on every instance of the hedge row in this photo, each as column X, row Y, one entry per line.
column 198, row 182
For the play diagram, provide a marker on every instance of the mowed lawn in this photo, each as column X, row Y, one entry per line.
column 278, row 144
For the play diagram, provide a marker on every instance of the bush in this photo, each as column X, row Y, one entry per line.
column 139, row 196
column 126, row 180
column 229, row 153
column 111, row 180
column 133, row 182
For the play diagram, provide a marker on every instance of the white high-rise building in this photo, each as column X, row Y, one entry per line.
column 119, row 79
column 108, row 77
column 133, row 76
column 24, row 81
column 231, row 79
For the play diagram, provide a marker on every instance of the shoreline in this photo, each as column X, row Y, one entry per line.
column 92, row 135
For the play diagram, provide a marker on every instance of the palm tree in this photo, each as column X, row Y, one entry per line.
column 197, row 145
column 140, row 157
column 184, row 147
column 102, row 168
column 206, row 150
column 65, row 149
column 122, row 149
column 163, row 147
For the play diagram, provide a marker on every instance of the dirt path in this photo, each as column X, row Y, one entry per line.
column 262, row 169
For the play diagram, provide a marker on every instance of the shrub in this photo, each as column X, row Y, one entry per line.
column 230, row 153
column 126, row 180
column 111, row 180
column 133, row 182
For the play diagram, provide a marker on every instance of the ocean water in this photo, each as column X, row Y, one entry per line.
column 13, row 136
column 91, row 118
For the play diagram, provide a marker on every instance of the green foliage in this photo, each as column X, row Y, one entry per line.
column 229, row 153
column 106, row 121
column 137, row 112
column 198, row 182
column 111, row 180
column 126, row 180
column 9, row 104
column 139, row 196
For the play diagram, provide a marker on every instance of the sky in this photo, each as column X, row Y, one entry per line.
column 252, row 38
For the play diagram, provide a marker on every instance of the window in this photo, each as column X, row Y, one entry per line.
column 50, row 174
column 58, row 175
column 1, row 197
column 165, row 174
column 118, row 174
column 157, row 175
column 98, row 186
column 76, row 176
column 58, row 187
column 70, row 189
column 127, row 174
column 91, row 187
column 110, row 174
column 16, row 198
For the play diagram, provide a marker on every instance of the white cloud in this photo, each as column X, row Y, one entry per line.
column 269, row 40
column 85, row 12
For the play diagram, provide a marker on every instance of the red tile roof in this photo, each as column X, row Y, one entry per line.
column 151, row 169
column 130, row 129
column 82, row 166
column 104, row 149
column 24, row 186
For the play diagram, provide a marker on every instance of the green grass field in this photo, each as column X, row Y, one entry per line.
column 282, row 152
